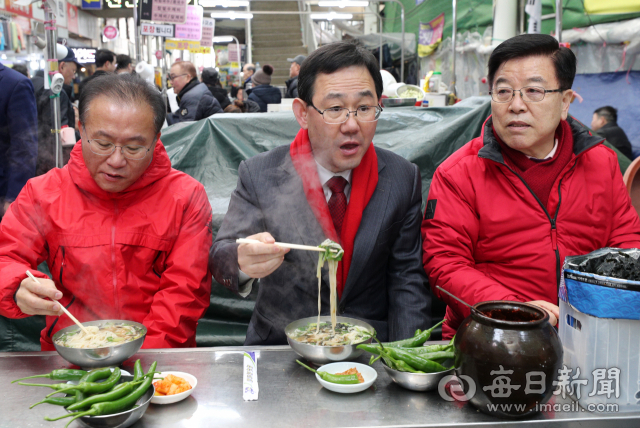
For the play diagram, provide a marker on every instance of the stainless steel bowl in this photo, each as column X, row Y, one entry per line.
column 417, row 381
column 325, row 354
column 122, row 419
column 398, row 102
column 99, row 357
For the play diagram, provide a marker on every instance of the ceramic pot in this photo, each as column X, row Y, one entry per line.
column 512, row 355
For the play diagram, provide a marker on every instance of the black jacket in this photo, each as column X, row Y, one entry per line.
column 265, row 94
column 292, row 88
column 220, row 94
column 195, row 102
column 617, row 138
column 46, row 140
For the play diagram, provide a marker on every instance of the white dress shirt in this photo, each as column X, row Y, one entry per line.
column 245, row 282
column 551, row 154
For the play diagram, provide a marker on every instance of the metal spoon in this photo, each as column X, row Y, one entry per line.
column 473, row 309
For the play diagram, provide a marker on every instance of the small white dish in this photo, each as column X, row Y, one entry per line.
column 168, row 399
column 368, row 374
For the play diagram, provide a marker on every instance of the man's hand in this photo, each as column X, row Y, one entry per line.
column 260, row 260
column 31, row 297
column 553, row 310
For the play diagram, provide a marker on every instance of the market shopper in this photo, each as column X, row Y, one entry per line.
column 505, row 210
column 211, row 78
column 247, row 73
column 18, row 134
column 294, row 70
column 195, row 101
column 262, row 92
column 605, row 123
column 96, row 223
column 124, row 64
column 105, row 64
column 331, row 182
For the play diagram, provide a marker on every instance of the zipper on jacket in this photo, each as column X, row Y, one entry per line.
column 114, row 271
column 552, row 221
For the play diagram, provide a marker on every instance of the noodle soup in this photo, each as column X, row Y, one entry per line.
column 324, row 334
column 100, row 336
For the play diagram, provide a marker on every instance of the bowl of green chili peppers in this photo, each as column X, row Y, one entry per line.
column 412, row 365
column 100, row 398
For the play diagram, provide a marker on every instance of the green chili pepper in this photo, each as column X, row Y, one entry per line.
column 56, row 386
column 412, row 342
column 395, row 363
column 58, row 401
column 415, row 361
column 111, row 407
column 341, row 379
column 95, row 387
column 442, row 355
column 117, row 392
column 60, row 374
column 137, row 371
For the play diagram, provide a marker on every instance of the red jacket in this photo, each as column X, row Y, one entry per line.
column 138, row 255
column 488, row 238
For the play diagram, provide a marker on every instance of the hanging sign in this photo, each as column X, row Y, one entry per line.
column 158, row 55
column 13, row 7
column 193, row 47
column 208, row 26
column 192, row 28
column 161, row 30
column 91, row 4
column 110, row 32
column 165, row 11
column 72, row 18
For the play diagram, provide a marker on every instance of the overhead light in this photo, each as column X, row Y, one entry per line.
column 232, row 15
column 331, row 16
column 341, row 4
column 223, row 39
column 224, row 3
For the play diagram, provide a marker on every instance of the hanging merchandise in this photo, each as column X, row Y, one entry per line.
column 1, row 36
column 430, row 35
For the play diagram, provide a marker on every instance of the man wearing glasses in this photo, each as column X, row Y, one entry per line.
column 331, row 182
column 194, row 99
column 123, row 234
column 505, row 210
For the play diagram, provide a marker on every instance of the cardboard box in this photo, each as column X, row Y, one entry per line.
column 605, row 350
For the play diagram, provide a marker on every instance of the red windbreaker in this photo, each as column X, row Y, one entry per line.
column 137, row 255
column 486, row 237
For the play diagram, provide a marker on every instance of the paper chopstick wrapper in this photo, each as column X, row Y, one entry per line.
column 250, row 377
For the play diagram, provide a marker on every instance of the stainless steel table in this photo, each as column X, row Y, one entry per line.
column 289, row 396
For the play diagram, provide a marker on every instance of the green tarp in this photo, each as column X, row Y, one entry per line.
column 477, row 15
column 211, row 150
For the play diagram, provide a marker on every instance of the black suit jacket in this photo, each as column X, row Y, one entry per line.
column 386, row 285
column 617, row 138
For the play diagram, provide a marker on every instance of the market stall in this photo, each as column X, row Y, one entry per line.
column 289, row 397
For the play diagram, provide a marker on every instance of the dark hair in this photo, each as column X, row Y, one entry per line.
column 123, row 61
column 21, row 68
column 232, row 108
column 126, row 89
column 331, row 58
column 526, row 45
column 103, row 56
column 609, row 113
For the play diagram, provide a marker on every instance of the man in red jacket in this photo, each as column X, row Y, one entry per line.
column 506, row 209
column 124, row 235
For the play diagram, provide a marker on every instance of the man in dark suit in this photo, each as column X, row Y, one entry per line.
column 18, row 134
column 605, row 123
column 329, row 183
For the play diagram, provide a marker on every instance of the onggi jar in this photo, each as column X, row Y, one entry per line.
column 511, row 354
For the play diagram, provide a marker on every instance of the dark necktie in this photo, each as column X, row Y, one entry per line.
column 338, row 201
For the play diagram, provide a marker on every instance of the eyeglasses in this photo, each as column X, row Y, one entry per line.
column 532, row 94
column 175, row 77
column 106, row 148
column 336, row 115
